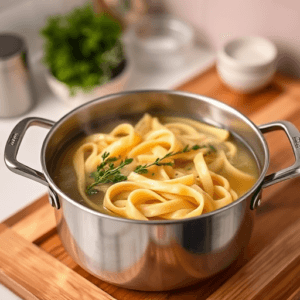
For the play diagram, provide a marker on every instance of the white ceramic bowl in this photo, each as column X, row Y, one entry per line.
column 61, row 90
column 247, row 64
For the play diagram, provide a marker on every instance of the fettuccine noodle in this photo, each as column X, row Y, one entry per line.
column 199, row 181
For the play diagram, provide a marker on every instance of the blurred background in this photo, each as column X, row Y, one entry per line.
column 215, row 21
column 155, row 45
column 158, row 37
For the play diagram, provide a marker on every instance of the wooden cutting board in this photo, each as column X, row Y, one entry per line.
column 34, row 264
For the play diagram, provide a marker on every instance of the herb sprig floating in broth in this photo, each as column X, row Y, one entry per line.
column 112, row 174
column 143, row 169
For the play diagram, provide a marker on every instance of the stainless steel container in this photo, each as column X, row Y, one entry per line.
column 152, row 255
column 16, row 87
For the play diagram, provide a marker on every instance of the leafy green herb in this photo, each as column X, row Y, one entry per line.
column 212, row 148
column 142, row 169
column 82, row 49
column 107, row 172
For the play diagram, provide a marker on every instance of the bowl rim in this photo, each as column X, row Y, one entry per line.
column 127, row 68
column 256, row 186
column 224, row 57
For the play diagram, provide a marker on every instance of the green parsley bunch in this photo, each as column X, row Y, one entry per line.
column 82, row 49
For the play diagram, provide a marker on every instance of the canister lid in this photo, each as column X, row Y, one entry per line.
column 12, row 51
column 10, row 45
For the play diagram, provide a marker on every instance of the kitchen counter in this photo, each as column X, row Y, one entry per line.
column 277, row 217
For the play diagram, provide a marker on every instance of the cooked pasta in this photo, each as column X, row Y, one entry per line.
column 189, row 180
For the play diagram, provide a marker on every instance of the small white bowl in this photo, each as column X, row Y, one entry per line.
column 61, row 90
column 247, row 64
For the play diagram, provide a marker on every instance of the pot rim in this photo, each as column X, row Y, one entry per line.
column 256, row 186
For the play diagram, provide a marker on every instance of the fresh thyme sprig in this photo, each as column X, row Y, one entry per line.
column 111, row 174
column 142, row 169
column 107, row 172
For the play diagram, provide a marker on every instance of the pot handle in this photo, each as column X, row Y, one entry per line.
column 293, row 135
column 12, row 148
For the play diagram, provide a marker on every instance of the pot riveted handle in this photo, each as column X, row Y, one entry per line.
column 12, row 148
column 293, row 135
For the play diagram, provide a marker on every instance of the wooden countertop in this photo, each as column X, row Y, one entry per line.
column 31, row 254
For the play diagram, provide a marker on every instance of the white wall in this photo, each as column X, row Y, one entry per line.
column 220, row 20
column 26, row 17
column 215, row 21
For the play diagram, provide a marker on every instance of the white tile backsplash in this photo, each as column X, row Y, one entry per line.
column 26, row 17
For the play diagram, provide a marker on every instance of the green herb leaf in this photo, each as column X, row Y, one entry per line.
column 143, row 169
column 185, row 149
column 107, row 172
column 105, row 155
column 196, row 147
column 212, row 148
column 92, row 192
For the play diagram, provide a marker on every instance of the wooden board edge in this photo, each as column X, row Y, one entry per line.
column 11, row 284
column 15, row 287
column 40, row 274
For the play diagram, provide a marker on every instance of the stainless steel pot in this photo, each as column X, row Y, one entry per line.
column 153, row 255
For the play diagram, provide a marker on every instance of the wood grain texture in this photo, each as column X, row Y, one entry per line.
column 43, row 276
column 16, row 287
column 268, row 275
column 35, row 221
column 268, row 269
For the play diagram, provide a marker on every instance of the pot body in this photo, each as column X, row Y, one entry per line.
column 154, row 257
column 160, row 255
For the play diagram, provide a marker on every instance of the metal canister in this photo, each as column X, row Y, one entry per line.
column 16, row 87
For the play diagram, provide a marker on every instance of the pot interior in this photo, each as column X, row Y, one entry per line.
column 109, row 111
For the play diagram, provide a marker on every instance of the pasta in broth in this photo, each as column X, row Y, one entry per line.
column 177, row 169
